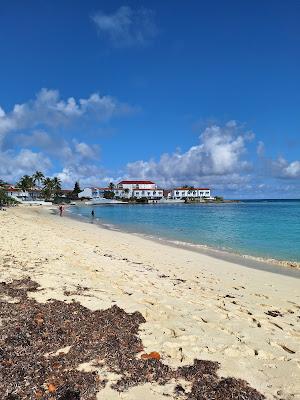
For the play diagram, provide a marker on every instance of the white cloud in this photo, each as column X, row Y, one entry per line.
column 12, row 165
column 72, row 155
column 86, row 174
column 217, row 158
column 127, row 27
column 281, row 168
column 260, row 150
column 86, row 151
column 48, row 109
column 38, row 138
column 2, row 113
column 293, row 170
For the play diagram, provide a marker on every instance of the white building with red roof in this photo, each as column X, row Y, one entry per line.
column 22, row 195
column 139, row 189
column 136, row 185
column 126, row 189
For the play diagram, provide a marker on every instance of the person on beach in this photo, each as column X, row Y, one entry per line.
column 93, row 213
column 60, row 210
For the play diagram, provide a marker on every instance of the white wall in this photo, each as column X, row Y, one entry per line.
column 148, row 193
column 23, row 195
column 190, row 193
column 92, row 193
column 87, row 192
column 132, row 186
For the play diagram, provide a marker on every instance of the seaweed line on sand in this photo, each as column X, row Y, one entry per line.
column 31, row 366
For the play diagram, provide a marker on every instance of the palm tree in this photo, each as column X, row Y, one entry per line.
column 48, row 188
column 56, row 184
column 111, row 186
column 51, row 187
column 25, row 183
column 38, row 177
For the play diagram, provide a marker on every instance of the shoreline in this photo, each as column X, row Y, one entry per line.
column 285, row 267
column 195, row 306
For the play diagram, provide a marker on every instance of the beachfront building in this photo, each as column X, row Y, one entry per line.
column 150, row 194
column 138, row 189
column 189, row 193
column 93, row 193
column 23, row 195
column 31, row 195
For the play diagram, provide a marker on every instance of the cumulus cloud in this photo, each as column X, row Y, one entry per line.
column 14, row 165
column 281, row 168
column 217, row 158
column 85, row 150
column 127, row 27
column 78, row 159
column 58, row 146
column 38, row 138
column 86, row 174
column 27, row 145
column 48, row 109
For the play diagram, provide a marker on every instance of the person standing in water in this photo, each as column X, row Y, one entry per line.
column 93, row 213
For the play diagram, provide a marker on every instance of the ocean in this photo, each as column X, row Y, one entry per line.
column 258, row 228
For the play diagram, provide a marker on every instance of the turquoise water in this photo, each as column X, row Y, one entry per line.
column 269, row 229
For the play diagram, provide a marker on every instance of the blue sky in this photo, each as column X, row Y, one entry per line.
column 204, row 94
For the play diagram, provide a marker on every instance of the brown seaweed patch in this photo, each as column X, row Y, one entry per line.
column 33, row 364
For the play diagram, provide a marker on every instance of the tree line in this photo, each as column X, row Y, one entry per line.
column 50, row 187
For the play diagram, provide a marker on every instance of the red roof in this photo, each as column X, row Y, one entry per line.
column 137, row 182
column 12, row 189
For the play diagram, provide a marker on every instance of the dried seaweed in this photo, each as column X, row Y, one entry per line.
column 274, row 313
column 31, row 366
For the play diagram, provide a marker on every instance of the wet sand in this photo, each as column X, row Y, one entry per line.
column 195, row 306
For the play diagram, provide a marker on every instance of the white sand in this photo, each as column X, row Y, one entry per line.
column 181, row 294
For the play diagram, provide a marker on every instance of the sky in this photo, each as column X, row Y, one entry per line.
column 199, row 93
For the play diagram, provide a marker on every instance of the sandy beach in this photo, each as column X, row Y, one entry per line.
column 195, row 306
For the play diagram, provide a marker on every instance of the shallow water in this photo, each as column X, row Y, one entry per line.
column 269, row 229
